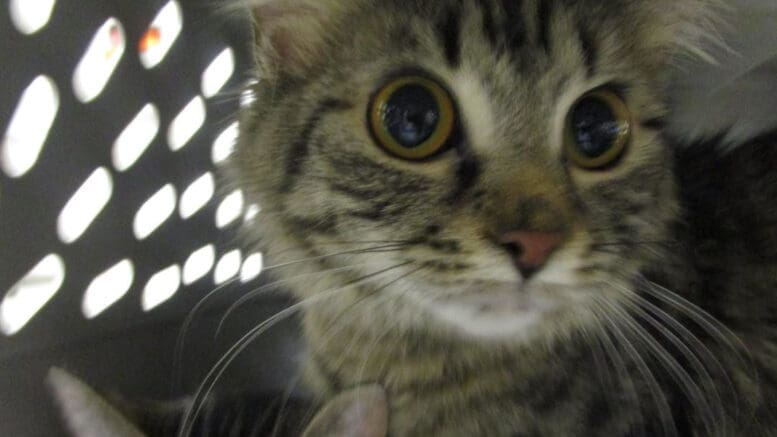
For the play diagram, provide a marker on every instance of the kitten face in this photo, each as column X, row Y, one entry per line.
column 435, row 227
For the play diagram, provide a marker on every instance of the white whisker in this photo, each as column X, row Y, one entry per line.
column 221, row 365
column 687, row 383
column 659, row 397
column 688, row 340
column 704, row 320
column 264, row 289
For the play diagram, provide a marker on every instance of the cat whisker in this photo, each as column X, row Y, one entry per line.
column 386, row 247
column 692, row 341
column 387, row 330
column 341, row 322
column 688, row 385
column 599, row 355
column 344, row 322
column 704, row 320
column 634, row 243
column 657, row 393
column 716, row 403
column 221, row 365
column 608, row 348
column 339, row 243
column 264, row 289
column 185, row 326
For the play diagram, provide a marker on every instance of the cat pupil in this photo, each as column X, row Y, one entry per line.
column 411, row 115
column 594, row 126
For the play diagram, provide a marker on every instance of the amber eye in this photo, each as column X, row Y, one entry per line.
column 412, row 117
column 598, row 129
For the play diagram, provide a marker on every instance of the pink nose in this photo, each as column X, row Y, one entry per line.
column 531, row 249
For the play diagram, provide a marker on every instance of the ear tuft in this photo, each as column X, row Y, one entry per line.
column 686, row 26
column 289, row 34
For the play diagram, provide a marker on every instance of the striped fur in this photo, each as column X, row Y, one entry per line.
column 661, row 320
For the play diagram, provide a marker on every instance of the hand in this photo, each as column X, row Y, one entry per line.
column 360, row 412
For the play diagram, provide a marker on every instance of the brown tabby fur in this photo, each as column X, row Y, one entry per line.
column 664, row 302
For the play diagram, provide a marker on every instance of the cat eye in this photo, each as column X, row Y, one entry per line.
column 598, row 129
column 412, row 117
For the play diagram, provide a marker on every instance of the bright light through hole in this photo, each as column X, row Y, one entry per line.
column 199, row 264
column 85, row 205
column 197, row 195
column 228, row 267
column 29, row 127
column 30, row 16
column 161, row 287
column 230, row 209
column 252, row 268
column 218, row 73
column 186, row 124
column 251, row 212
column 248, row 96
column 161, row 35
column 154, row 212
column 99, row 62
column 135, row 138
column 28, row 296
column 224, row 144
column 108, row 288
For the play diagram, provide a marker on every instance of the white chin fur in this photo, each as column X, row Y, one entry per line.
column 497, row 311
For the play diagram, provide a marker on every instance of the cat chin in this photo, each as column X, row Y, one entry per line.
column 502, row 312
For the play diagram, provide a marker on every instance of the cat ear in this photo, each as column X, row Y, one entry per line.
column 85, row 412
column 360, row 412
column 290, row 33
column 684, row 26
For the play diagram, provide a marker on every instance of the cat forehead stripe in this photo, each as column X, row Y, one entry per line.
column 449, row 30
column 300, row 148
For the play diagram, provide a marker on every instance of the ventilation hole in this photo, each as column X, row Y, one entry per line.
column 252, row 268
column 224, row 144
column 154, row 212
column 99, row 62
column 186, row 124
column 228, row 267
column 248, row 96
column 230, row 209
column 161, row 287
column 31, row 16
column 251, row 212
column 136, row 138
column 199, row 264
column 161, row 35
column 108, row 288
column 28, row 296
column 217, row 74
column 29, row 127
column 85, row 205
column 197, row 195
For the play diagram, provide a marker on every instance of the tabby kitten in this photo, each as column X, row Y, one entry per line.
column 481, row 214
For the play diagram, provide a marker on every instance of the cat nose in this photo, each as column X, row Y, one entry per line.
column 530, row 249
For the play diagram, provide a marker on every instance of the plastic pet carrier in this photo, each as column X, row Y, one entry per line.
column 114, row 222
column 115, row 117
